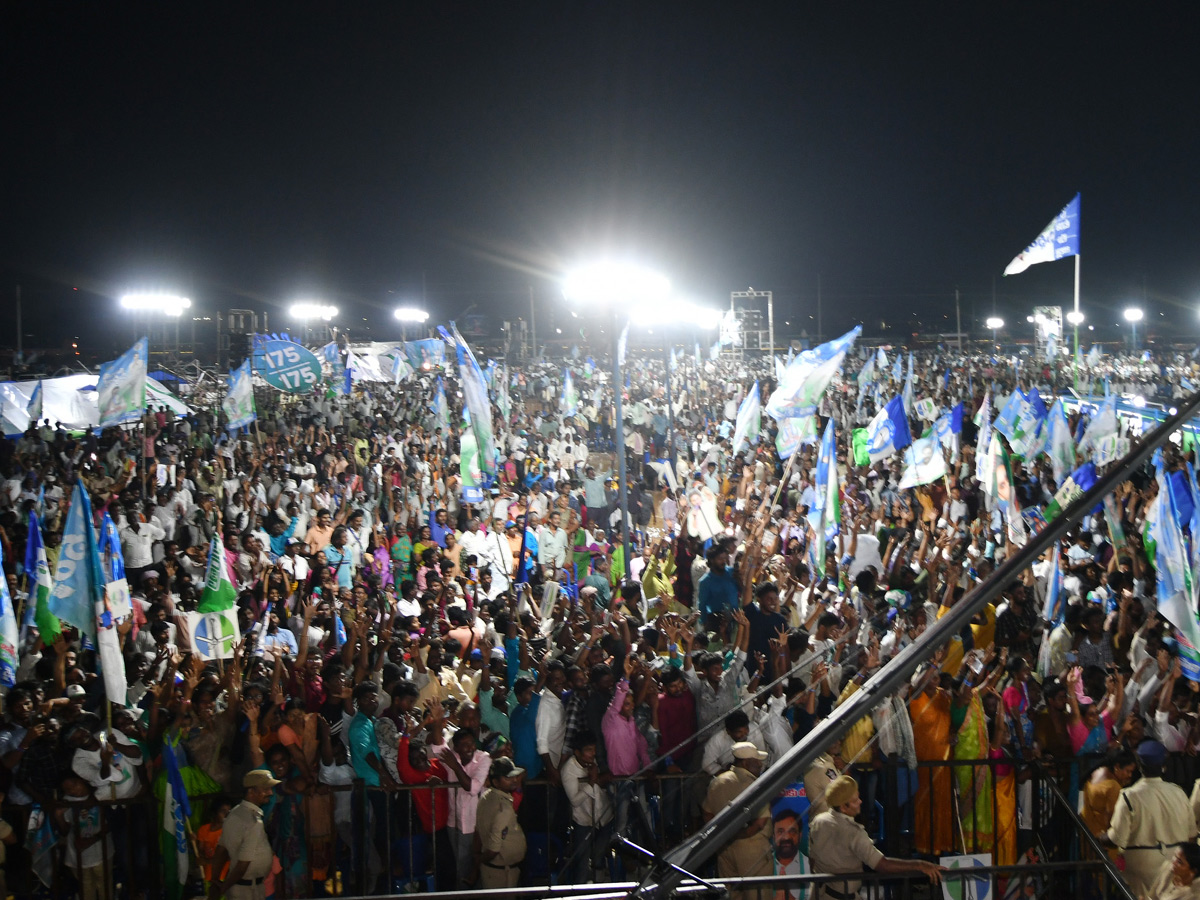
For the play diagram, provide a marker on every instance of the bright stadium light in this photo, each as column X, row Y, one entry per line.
column 994, row 322
column 411, row 314
column 167, row 304
column 1075, row 317
column 306, row 311
column 606, row 284
column 1133, row 314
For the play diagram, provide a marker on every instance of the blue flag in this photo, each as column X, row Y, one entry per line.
column 888, row 431
column 9, row 634
column 79, row 578
column 1054, row 611
column 1059, row 239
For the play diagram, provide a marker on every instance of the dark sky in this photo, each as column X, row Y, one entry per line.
column 249, row 154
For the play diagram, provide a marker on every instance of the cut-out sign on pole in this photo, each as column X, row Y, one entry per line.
column 287, row 366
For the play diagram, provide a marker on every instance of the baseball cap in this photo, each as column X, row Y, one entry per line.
column 259, row 778
column 504, row 767
column 75, row 690
column 747, row 750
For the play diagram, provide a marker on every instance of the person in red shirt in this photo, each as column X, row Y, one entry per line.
column 432, row 804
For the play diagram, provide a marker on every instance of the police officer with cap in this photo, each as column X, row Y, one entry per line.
column 1153, row 817
column 838, row 845
column 501, row 842
column 244, row 842
column 749, row 853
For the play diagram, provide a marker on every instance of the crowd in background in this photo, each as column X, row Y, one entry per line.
column 392, row 634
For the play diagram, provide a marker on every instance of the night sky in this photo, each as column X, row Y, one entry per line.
column 252, row 154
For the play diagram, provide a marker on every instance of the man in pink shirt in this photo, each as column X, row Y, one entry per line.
column 627, row 752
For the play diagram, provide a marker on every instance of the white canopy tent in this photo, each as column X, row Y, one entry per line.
column 70, row 399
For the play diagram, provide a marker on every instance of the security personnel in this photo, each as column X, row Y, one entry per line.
column 501, row 840
column 1152, row 818
column 244, row 839
column 838, row 845
column 750, row 852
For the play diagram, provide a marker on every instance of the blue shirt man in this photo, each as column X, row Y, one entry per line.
column 364, row 748
column 717, row 591
column 438, row 528
column 522, row 728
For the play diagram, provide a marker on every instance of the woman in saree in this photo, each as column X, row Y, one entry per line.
column 972, row 742
column 1005, row 799
column 930, row 712
column 300, row 738
column 283, row 816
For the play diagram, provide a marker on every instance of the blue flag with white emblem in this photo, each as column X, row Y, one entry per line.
column 1059, row 239
column 888, row 431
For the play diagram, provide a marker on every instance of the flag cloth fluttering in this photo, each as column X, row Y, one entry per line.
column 749, row 420
column 1059, row 239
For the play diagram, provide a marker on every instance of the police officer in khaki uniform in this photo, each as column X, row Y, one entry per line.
column 1152, row 818
column 750, row 852
column 244, row 842
column 838, row 845
column 499, row 840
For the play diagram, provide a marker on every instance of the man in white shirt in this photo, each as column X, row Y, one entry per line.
column 551, row 721
column 552, row 547
column 137, row 542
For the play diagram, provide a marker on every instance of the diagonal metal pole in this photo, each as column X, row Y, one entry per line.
column 692, row 853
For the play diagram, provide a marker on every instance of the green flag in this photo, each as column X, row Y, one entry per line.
column 862, row 440
column 219, row 592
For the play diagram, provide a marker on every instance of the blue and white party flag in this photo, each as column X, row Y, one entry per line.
column 121, row 388
column 1059, row 239
column 808, row 375
column 888, row 431
column 79, row 578
column 749, row 420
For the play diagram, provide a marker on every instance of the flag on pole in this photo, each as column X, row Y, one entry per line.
column 1175, row 579
column 749, row 420
column 469, row 473
column 219, row 592
column 34, row 407
column 908, row 385
column 1059, row 239
column 622, row 344
column 475, row 395
column 1054, row 612
column 1116, row 531
column 40, row 583
column 570, row 396
column 239, row 397
column 807, row 376
column 121, row 388
column 176, row 810
column 10, row 633
column 795, row 433
column 983, row 442
column 79, row 576
column 1093, row 356
column 826, row 513
column 888, row 431
column 114, row 604
column 1059, row 445
column 441, row 412
column 1102, row 425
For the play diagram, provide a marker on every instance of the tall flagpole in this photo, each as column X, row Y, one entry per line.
column 1075, row 358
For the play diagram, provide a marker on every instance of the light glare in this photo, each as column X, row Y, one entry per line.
column 618, row 284
column 411, row 314
column 1075, row 318
column 168, row 304
column 994, row 322
column 1133, row 314
column 312, row 311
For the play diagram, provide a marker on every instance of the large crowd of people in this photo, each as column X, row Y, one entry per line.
column 489, row 694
